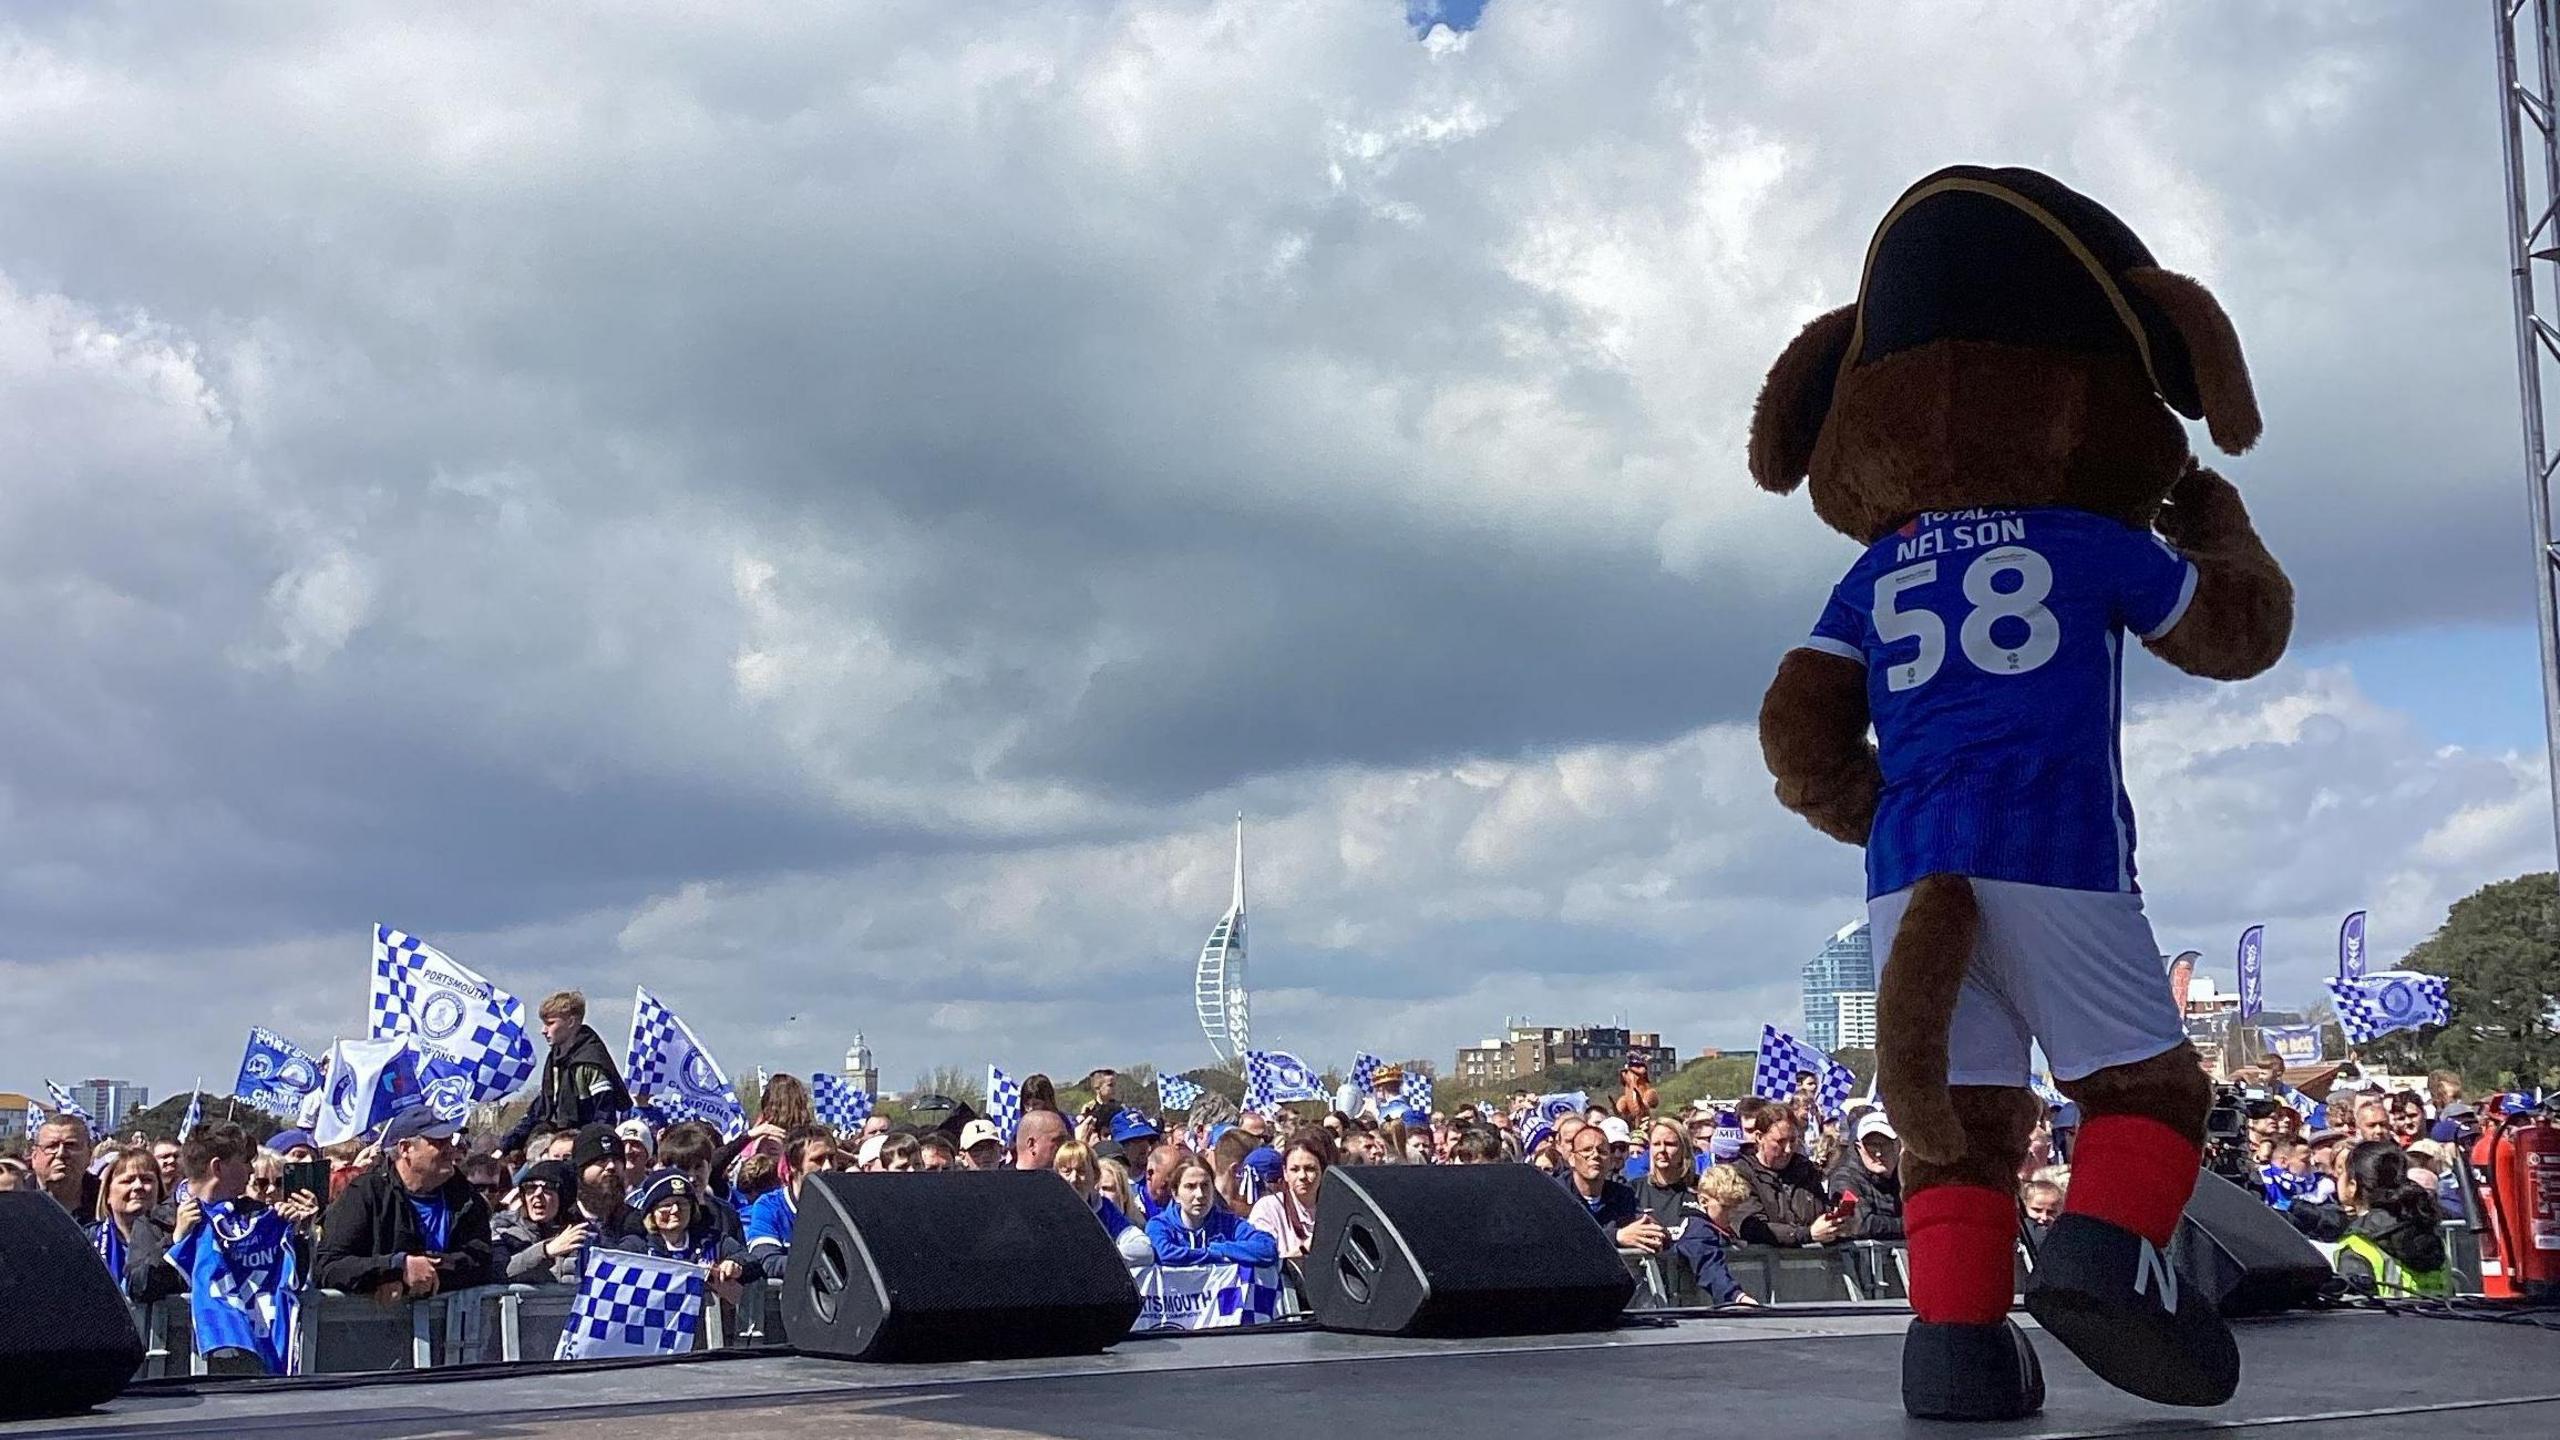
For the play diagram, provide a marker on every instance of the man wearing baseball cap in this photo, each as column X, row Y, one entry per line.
column 981, row 1148
column 410, row 1226
column 1870, row 1168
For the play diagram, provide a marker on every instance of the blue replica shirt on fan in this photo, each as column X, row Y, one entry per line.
column 1993, row 641
column 241, row 1282
column 769, row 1220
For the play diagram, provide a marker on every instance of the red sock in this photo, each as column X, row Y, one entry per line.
column 2133, row 1171
column 1963, row 1242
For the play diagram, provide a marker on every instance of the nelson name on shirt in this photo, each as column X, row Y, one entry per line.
column 1952, row 530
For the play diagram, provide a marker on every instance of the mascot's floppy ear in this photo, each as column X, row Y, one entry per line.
column 2213, row 348
column 1796, row 398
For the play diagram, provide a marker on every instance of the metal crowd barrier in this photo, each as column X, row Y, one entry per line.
column 1858, row 1271
column 339, row 1333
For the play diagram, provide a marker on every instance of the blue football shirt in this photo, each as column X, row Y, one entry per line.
column 243, row 1282
column 1993, row 641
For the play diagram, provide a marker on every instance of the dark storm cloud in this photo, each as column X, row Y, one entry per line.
column 506, row 472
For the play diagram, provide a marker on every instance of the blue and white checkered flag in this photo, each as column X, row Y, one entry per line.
column 195, row 1112
column 1176, row 1093
column 419, row 990
column 630, row 1304
column 1417, row 1091
column 1783, row 1057
column 2389, row 1000
column 1273, row 1078
column 63, row 1104
column 1364, row 1072
column 1254, row 1297
column 275, row 1073
column 1004, row 1103
column 840, row 1106
column 666, row 1066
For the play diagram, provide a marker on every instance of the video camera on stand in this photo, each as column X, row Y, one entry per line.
column 2226, row 1133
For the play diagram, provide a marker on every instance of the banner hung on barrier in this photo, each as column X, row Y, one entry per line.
column 1207, row 1297
column 2295, row 1045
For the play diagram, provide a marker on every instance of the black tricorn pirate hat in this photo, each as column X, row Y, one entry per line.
column 2016, row 257
column 2010, row 256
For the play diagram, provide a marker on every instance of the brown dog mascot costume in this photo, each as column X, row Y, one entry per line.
column 1996, row 419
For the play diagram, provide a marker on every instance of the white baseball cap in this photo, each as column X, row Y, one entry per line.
column 869, row 1154
column 1874, row 1123
column 1617, row 1131
column 977, row 1133
column 636, row 1129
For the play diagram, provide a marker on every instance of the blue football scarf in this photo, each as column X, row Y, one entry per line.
column 110, row 1245
column 242, row 1279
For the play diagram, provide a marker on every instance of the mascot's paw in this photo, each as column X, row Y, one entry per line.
column 2203, row 511
column 1970, row 1372
column 2119, row 1305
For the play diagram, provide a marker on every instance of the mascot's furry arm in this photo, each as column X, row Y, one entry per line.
column 1813, row 733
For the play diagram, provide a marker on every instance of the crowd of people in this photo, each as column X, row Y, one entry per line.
column 415, row 1212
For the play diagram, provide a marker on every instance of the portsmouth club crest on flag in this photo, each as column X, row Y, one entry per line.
column 275, row 1073
column 420, row 991
column 668, row 1067
column 1273, row 1078
column 2389, row 1000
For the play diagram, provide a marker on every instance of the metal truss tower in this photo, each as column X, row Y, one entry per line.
column 2529, row 107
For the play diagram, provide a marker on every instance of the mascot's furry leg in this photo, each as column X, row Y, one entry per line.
column 1963, row 1359
column 2103, row 1285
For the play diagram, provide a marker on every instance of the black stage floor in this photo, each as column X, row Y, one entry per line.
column 1796, row 1374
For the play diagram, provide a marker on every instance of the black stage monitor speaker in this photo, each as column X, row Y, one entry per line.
column 958, row 1265
column 2248, row 1257
column 1459, row 1250
column 66, row 1340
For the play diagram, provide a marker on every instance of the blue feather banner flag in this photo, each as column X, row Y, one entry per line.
column 2351, row 947
column 2253, row 971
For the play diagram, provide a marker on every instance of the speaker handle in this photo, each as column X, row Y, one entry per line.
column 827, row 1277
column 1356, row 1286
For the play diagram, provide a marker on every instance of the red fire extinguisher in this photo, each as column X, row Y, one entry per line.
column 2517, row 1160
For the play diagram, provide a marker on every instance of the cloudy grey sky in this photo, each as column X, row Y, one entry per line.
column 827, row 510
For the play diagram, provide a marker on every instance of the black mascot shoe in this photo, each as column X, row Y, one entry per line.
column 2115, row 1301
column 1970, row 1372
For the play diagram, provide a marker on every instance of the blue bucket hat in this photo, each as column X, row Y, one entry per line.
column 1131, row 1125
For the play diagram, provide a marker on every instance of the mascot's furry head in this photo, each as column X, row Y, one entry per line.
column 2013, row 344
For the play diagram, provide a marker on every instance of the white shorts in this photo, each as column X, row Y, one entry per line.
column 2075, row 970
